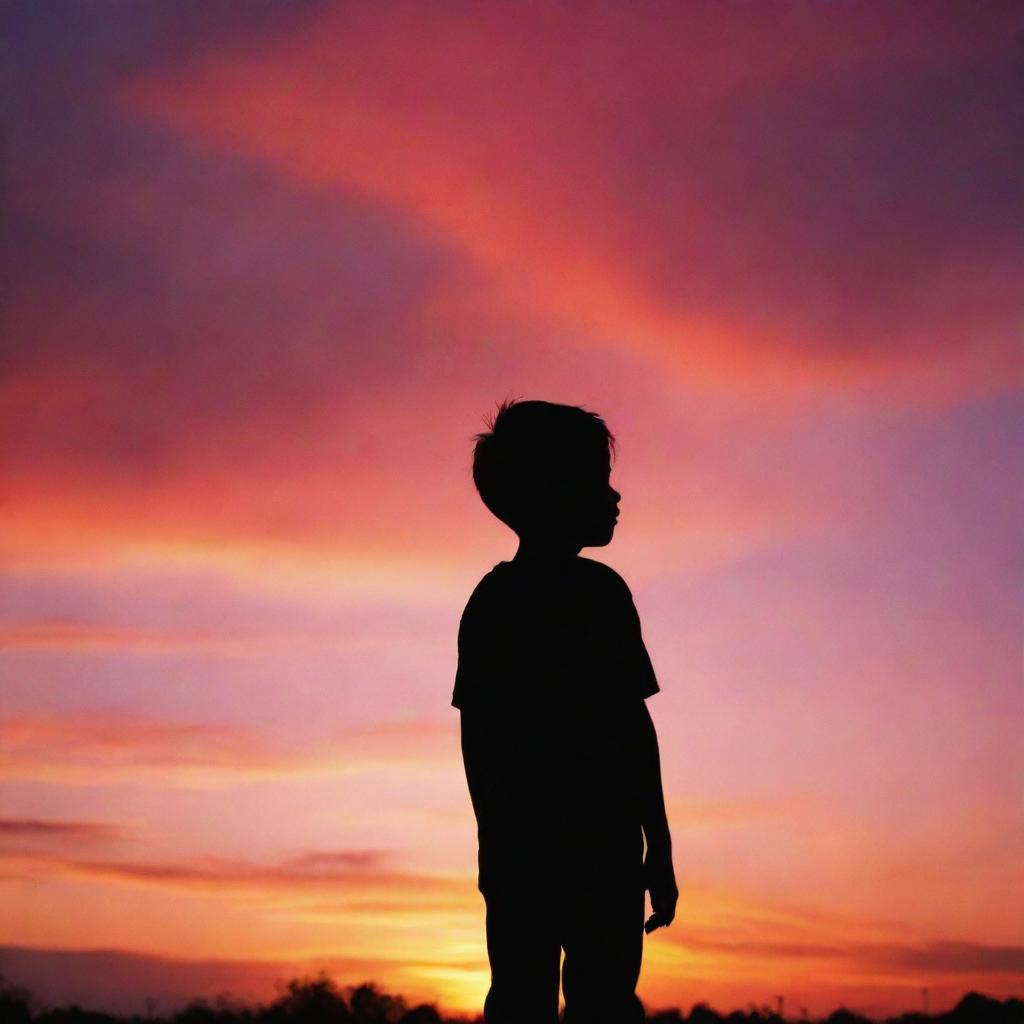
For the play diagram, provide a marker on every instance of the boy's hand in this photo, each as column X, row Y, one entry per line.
column 660, row 881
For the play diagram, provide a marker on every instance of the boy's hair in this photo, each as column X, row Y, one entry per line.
column 531, row 445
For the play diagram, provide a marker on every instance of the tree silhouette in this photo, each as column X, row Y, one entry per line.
column 371, row 1006
column 319, row 1000
column 310, row 1001
column 14, row 1003
column 221, row 1010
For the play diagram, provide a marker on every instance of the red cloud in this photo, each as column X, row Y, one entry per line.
column 718, row 190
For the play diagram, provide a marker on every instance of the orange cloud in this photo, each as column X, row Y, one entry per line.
column 349, row 885
column 78, row 636
column 87, row 748
column 357, row 870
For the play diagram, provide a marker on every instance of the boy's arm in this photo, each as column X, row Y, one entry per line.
column 479, row 769
column 660, row 876
column 655, row 818
column 471, row 676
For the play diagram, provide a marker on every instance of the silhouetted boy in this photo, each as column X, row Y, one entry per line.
column 560, row 752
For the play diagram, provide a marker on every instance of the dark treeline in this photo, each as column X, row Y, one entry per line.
column 319, row 1000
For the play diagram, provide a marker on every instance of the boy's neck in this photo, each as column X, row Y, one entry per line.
column 544, row 550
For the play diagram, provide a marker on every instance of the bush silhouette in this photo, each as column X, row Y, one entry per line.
column 309, row 1001
column 844, row 1016
column 319, row 1000
column 223, row 1010
column 423, row 1014
column 14, row 1004
column 703, row 1014
column 371, row 1006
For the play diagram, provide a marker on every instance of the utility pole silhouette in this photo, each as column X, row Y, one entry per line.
column 924, row 1000
column 780, row 1001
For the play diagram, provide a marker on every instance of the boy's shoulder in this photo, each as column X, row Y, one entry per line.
column 601, row 573
column 507, row 578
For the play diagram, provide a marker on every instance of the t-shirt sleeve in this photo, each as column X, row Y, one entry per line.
column 471, row 653
column 638, row 661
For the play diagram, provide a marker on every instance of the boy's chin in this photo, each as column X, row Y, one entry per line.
column 599, row 539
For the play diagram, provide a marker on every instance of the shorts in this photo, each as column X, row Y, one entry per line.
column 594, row 911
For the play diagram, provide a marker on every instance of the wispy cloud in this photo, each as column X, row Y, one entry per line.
column 72, row 832
column 83, row 637
column 350, row 874
column 721, row 925
column 955, row 958
column 931, row 957
column 103, row 746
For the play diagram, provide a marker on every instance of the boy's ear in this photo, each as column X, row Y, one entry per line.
column 556, row 498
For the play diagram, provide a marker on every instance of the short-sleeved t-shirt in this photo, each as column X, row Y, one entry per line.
column 544, row 633
column 552, row 657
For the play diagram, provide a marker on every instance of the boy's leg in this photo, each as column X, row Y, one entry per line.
column 524, row 953
column 603, row 935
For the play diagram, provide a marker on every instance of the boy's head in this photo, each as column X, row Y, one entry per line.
column 543, row 469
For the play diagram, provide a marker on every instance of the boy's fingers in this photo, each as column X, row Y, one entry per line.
column 664, row 912
column 657, row 920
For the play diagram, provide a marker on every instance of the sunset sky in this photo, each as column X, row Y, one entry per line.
column 267, row 267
